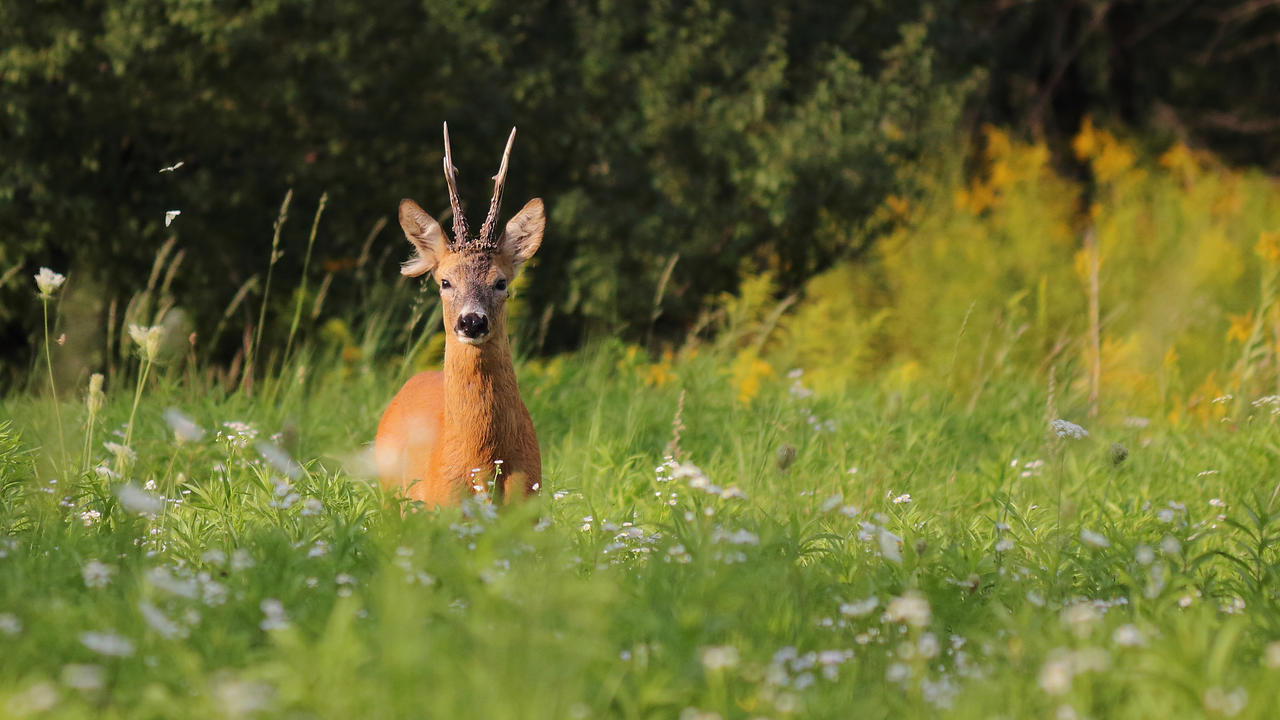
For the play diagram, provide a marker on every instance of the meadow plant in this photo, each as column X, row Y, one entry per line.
column 48, row 283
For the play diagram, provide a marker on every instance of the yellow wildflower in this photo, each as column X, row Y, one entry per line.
column 748, row 371
column 658, row 374
column 1241, row 327
column 998, row 143
column 1001, row 175
column 1085, row 143
column 1179, row 159
column 897, row 205
column 1114, row 159
column 1268, row 247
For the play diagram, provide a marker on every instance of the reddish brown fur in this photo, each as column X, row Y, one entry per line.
column 443, row 425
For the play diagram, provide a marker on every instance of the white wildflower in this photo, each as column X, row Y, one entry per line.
column 212, row 592
column 890, row 545
column 719, row 657
column 279, row 459
column 1079, row 617
column 1227, row 703
column 36, row 699
column 831, row 503
column 238, row 434
column 1144, row 554
column 1056, row 675
column 10, row 624
column 121, row 453
column 89, row 517
column 1271, row 655
column 1128, row 635
column 214, row 556
column 834, row 657
column 136, row 500
column 940, row 693
column 1067, row 429
column 103, row 471
column 1093, row 539
column 107, row 643
column 48, row 282
column 184, row 428
column 927, row 645
column 85, row 678
column 311, row 506
column 96, row 574
column 242, row 698
column 274, row 616
column 148, row 339
column 1004, row 544
column 911, row 608
column 690, row 471
column 736, row 537
column 859, row 608
column 161, row 578
column 158, row 621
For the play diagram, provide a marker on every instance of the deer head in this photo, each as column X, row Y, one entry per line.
column 473, row 270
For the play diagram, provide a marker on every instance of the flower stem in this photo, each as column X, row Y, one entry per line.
column 137, row 395
column 88, row 442
column 53, row 390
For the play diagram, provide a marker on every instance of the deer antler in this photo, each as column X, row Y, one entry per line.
column 460, row 230
column 489, row 231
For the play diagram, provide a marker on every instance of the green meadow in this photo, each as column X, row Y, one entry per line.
column 871, row 554
column 989, row 471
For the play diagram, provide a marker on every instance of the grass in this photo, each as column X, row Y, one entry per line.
column 974, row 564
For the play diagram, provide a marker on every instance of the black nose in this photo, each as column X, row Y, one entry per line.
column 473, row 325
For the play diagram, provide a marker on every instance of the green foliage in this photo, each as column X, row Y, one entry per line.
column 654, row 128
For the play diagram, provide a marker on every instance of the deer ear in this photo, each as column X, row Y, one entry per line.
column 524, row 233
column 427, row 238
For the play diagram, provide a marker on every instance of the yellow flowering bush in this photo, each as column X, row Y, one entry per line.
column 987, row 271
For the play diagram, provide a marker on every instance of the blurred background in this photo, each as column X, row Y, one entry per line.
column 856, row 187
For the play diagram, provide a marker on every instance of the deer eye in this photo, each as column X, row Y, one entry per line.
column 445, row 284
column 501, row 284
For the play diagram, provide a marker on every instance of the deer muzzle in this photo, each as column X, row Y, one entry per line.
column 473, row 327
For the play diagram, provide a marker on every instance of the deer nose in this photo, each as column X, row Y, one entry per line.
column 473, row 325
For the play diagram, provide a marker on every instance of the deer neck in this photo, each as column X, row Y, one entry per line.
column 479, row 390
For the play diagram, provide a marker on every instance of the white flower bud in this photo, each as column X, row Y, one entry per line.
column 48, row 282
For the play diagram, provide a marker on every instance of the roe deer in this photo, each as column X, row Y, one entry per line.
column 443, row 426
